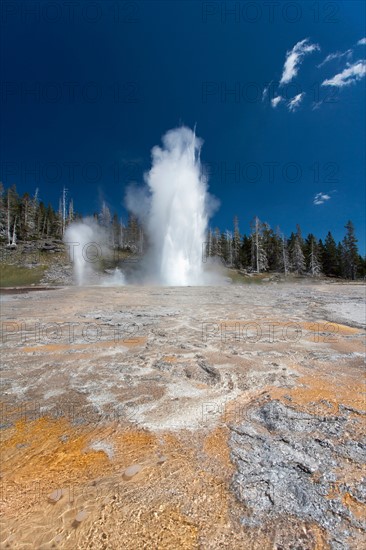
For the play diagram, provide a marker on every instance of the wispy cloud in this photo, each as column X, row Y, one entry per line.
column 294, row 103
column 335, row 55
column 294, row 58
column 266, row 90
column 321, row 198
column 316, row 105
column 348, row 76
column 362, row 42
column 276, row 100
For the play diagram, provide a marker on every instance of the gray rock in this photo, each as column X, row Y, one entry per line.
column 277, row 451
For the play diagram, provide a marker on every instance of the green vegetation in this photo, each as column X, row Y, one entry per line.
column 267, row 251
column 13, row 275
column 241, row 279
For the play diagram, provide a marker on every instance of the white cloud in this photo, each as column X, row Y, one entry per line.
column 316, row 105
column 294, row 103
column 335, row 55
column 320, row 198
column 266, row 91
column 276, row 100
column 294, row 58
column 348, row 76
column 362, row 42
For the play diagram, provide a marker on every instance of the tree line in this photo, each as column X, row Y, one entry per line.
column 26, row 218
column 268, row 250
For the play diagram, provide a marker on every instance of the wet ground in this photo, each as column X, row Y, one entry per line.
column 241, row 408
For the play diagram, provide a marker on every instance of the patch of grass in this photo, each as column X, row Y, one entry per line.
column 238, row 278
column 12, row 275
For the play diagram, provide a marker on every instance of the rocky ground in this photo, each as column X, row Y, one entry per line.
column 239, row 408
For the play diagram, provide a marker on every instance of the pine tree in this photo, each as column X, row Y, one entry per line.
column 297, row 259
column 3, row 216
column 71, row 214
column 33, row 214
column 350, row 252
column 25, row 229
column 272, row 244
column 259, row 257
column 208, row 249
column 12, row 211
column 216, row 249
column 312, row 254
column 41, row 220
column 340, row 262
column 229, row 248
column 14, row 235
column 246, row 251
column 224, row 248
column 105, row 217
column 267, row 235
column 279, row 262
column 321, row 251
column 28, row 207
column 121, row 234
column 53, row 223
column 236, row 244
column 62, row 211
column 133, row 231
column 361, row 267
column 115, row 231
column 330, row 258
column 284, row 261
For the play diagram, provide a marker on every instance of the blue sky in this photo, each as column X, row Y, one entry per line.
column 87, row 93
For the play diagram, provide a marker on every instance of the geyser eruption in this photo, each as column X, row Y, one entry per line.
column 173, row 207
column 177, row 222
column 78, row 236
column 88, row 245
column 177, row 210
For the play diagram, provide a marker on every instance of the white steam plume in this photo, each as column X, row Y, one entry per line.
column 175, row 206
column 87, row 243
